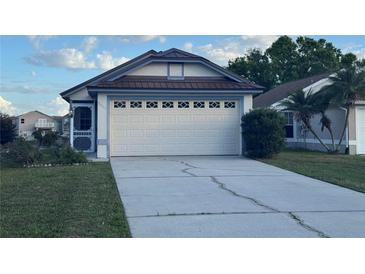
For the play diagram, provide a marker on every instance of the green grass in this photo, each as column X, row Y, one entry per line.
column 344, row 170
column 68, row 201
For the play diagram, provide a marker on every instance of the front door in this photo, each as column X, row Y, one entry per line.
column 83, row 138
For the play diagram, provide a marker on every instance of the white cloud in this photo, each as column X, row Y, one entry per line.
column 89, row 44
column 358, row 50
column 7, row 107
column 38, row 40
column 69, row 58
column 26, row 89
column 106, row 61
column 34, row 74
column 137, row 39
column 188, row 46
column 230, row 48
column 58, row 106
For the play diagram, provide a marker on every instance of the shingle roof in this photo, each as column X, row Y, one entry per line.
column 154, row 82
column 281, row 92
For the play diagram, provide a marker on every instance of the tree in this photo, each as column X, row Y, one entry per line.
column 284, row 57
column 255, row 66
column 7, row 133
column 317, row 56
column 347, row 86
column 263, row 132
column 305, row 105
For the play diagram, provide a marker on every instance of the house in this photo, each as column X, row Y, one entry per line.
column 298, row 136
column 28, row 122
column 160, row 103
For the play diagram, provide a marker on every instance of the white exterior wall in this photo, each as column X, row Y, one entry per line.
column 160, row 69
column 247, row 103
column 81, row 95
column 103, row 126
column 153, row 69
column 199, row 70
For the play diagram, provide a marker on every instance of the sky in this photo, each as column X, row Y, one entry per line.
column 35, row 69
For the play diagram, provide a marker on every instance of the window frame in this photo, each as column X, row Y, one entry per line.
column 288, row 123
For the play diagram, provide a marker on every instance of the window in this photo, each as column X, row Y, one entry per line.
column 289, row 128
column 167, row 104
column 135, row 104
column 82, row 118
column 200, row 104
column 22, row 121
column 175, row 70
column 229, row 104
column 214, row 104
column 152, row 104
column 183, row 104
column 119, row 104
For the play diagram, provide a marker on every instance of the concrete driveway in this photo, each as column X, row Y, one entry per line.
column 187, row 196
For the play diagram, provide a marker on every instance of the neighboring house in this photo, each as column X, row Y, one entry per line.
column 299, row 136
column 28, row 122
column 160, row 103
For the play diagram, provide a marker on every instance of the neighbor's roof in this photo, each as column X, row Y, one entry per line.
column 172, row 54
column 283, row 91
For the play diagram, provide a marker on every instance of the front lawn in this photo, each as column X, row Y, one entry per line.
column 68, row 201
column 344, row 170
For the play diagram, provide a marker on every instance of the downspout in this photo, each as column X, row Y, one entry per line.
column 347, row 132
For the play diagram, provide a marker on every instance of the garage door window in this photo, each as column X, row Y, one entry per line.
column 214, row 104
column 119, row 104
column 200, row 104
column 183, row 104
column 229, row 104
column 167, row 104
column 152, row 104
column 136, row 104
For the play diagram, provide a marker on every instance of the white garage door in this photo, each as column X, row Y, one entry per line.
column 360, row 130
column 180, row 127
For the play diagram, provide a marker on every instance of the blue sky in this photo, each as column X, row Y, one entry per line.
column 34, row 69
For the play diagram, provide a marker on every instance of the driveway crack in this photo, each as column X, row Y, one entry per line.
column 306, row 226
column 294, row 217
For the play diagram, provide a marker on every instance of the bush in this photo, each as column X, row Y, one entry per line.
column 7, row 129
column 263, row 132
column 19, row 153
column 45, row 138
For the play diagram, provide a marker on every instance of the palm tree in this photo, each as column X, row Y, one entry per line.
column 347, row 86
column 305, row 106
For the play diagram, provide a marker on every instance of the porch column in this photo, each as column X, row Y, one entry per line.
column 103, row 126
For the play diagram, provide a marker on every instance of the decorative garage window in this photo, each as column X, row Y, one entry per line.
column 229, row 104
column 136, row 104
column 214, row 104
column 167, row 104
column 151, row 104
column 183, row 104
column 200, row 104
column 119, row 104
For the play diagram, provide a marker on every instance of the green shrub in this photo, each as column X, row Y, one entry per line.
column 68, row 155
column 19, row 153
column 45, row 138
column 7, row 129
column 263, row 132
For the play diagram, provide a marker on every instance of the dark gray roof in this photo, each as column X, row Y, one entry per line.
column 281, row 92
column 188, row 83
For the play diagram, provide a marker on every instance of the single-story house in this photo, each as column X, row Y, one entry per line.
column 160, row 103
column 28, row 122
column 298, row 136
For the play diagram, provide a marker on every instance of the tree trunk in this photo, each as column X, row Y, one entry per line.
column 315, row 135
column 345, row 126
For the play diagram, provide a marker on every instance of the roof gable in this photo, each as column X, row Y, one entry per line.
column 171, row 55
